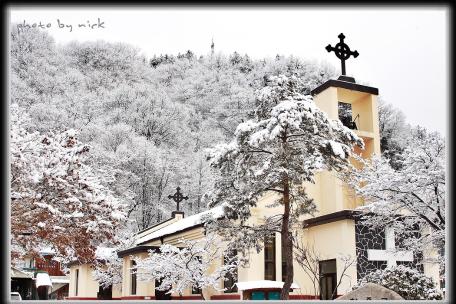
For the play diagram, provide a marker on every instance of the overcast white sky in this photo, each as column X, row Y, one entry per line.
column 403, row 51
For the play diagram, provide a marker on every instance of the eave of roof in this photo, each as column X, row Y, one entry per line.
column 172, row 233
column 155, row 225
column 344, row 85
column 329, row 218
column 185, row 224
column 136, row 249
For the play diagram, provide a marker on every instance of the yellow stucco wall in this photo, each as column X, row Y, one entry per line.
column 332, row 241
column 87, row 287
column 142, row 288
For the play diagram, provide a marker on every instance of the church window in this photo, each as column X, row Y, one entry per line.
column 269, row 258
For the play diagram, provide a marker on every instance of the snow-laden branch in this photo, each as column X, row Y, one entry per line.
column 187, row 266
column 408, row 197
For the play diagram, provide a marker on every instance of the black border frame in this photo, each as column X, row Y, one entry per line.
column 225, row 5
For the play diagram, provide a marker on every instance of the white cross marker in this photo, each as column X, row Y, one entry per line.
column 390, row 255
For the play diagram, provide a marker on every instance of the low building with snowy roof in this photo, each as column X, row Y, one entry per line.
column 40, row 277
column 333, row 234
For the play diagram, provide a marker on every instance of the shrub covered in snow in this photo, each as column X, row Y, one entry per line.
column 407, row 282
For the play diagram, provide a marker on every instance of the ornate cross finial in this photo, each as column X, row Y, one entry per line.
column 178, row 197
column 342, row 51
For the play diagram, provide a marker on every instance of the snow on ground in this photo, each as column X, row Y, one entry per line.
column 186, row 222
column 262, row 284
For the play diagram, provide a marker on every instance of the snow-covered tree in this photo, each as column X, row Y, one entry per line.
column 107, row 265
column 188, row 265
column 407, row 282
column 394, row 132
column 56, row 198
column 285, row 143
column 410, row 199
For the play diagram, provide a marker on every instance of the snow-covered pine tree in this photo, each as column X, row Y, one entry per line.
column 287, row 140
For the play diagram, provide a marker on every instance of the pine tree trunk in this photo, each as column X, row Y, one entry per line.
column 287, row 245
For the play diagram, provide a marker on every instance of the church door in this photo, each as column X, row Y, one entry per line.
column 161, row 294
column 43, row 293
column 105, row 293
column 328, row 280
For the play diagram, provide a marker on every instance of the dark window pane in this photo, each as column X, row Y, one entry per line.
column 77, row 282
column 284, row 266
column 197, row 290
column 346, row 115
column 230, row 278
column 133, row 278
column 269, row 259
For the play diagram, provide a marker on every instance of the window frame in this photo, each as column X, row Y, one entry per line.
column 332, row 275
column 270, row 239
column 76, row 287
column 133, row 279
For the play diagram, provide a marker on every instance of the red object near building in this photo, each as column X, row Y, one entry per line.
column 50, row 266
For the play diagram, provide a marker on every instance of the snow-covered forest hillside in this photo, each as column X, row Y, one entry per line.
column 147, row 121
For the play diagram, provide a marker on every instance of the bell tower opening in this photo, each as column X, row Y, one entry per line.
column 346, row 115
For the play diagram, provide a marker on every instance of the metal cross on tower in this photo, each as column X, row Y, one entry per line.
column 178, row 197
column 342, row 51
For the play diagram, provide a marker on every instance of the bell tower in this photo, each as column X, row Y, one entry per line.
column 355, row 105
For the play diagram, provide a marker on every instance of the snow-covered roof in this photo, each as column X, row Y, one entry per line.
column 47, row 251
column 184, row 223
column 104, row 253
column 43, row 279
column 262, row 284
column 60, row 279
column 16, row 273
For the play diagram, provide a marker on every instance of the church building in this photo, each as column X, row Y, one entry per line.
column 333, row 234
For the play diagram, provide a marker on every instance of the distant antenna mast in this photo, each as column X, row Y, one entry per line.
column 212, row 46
